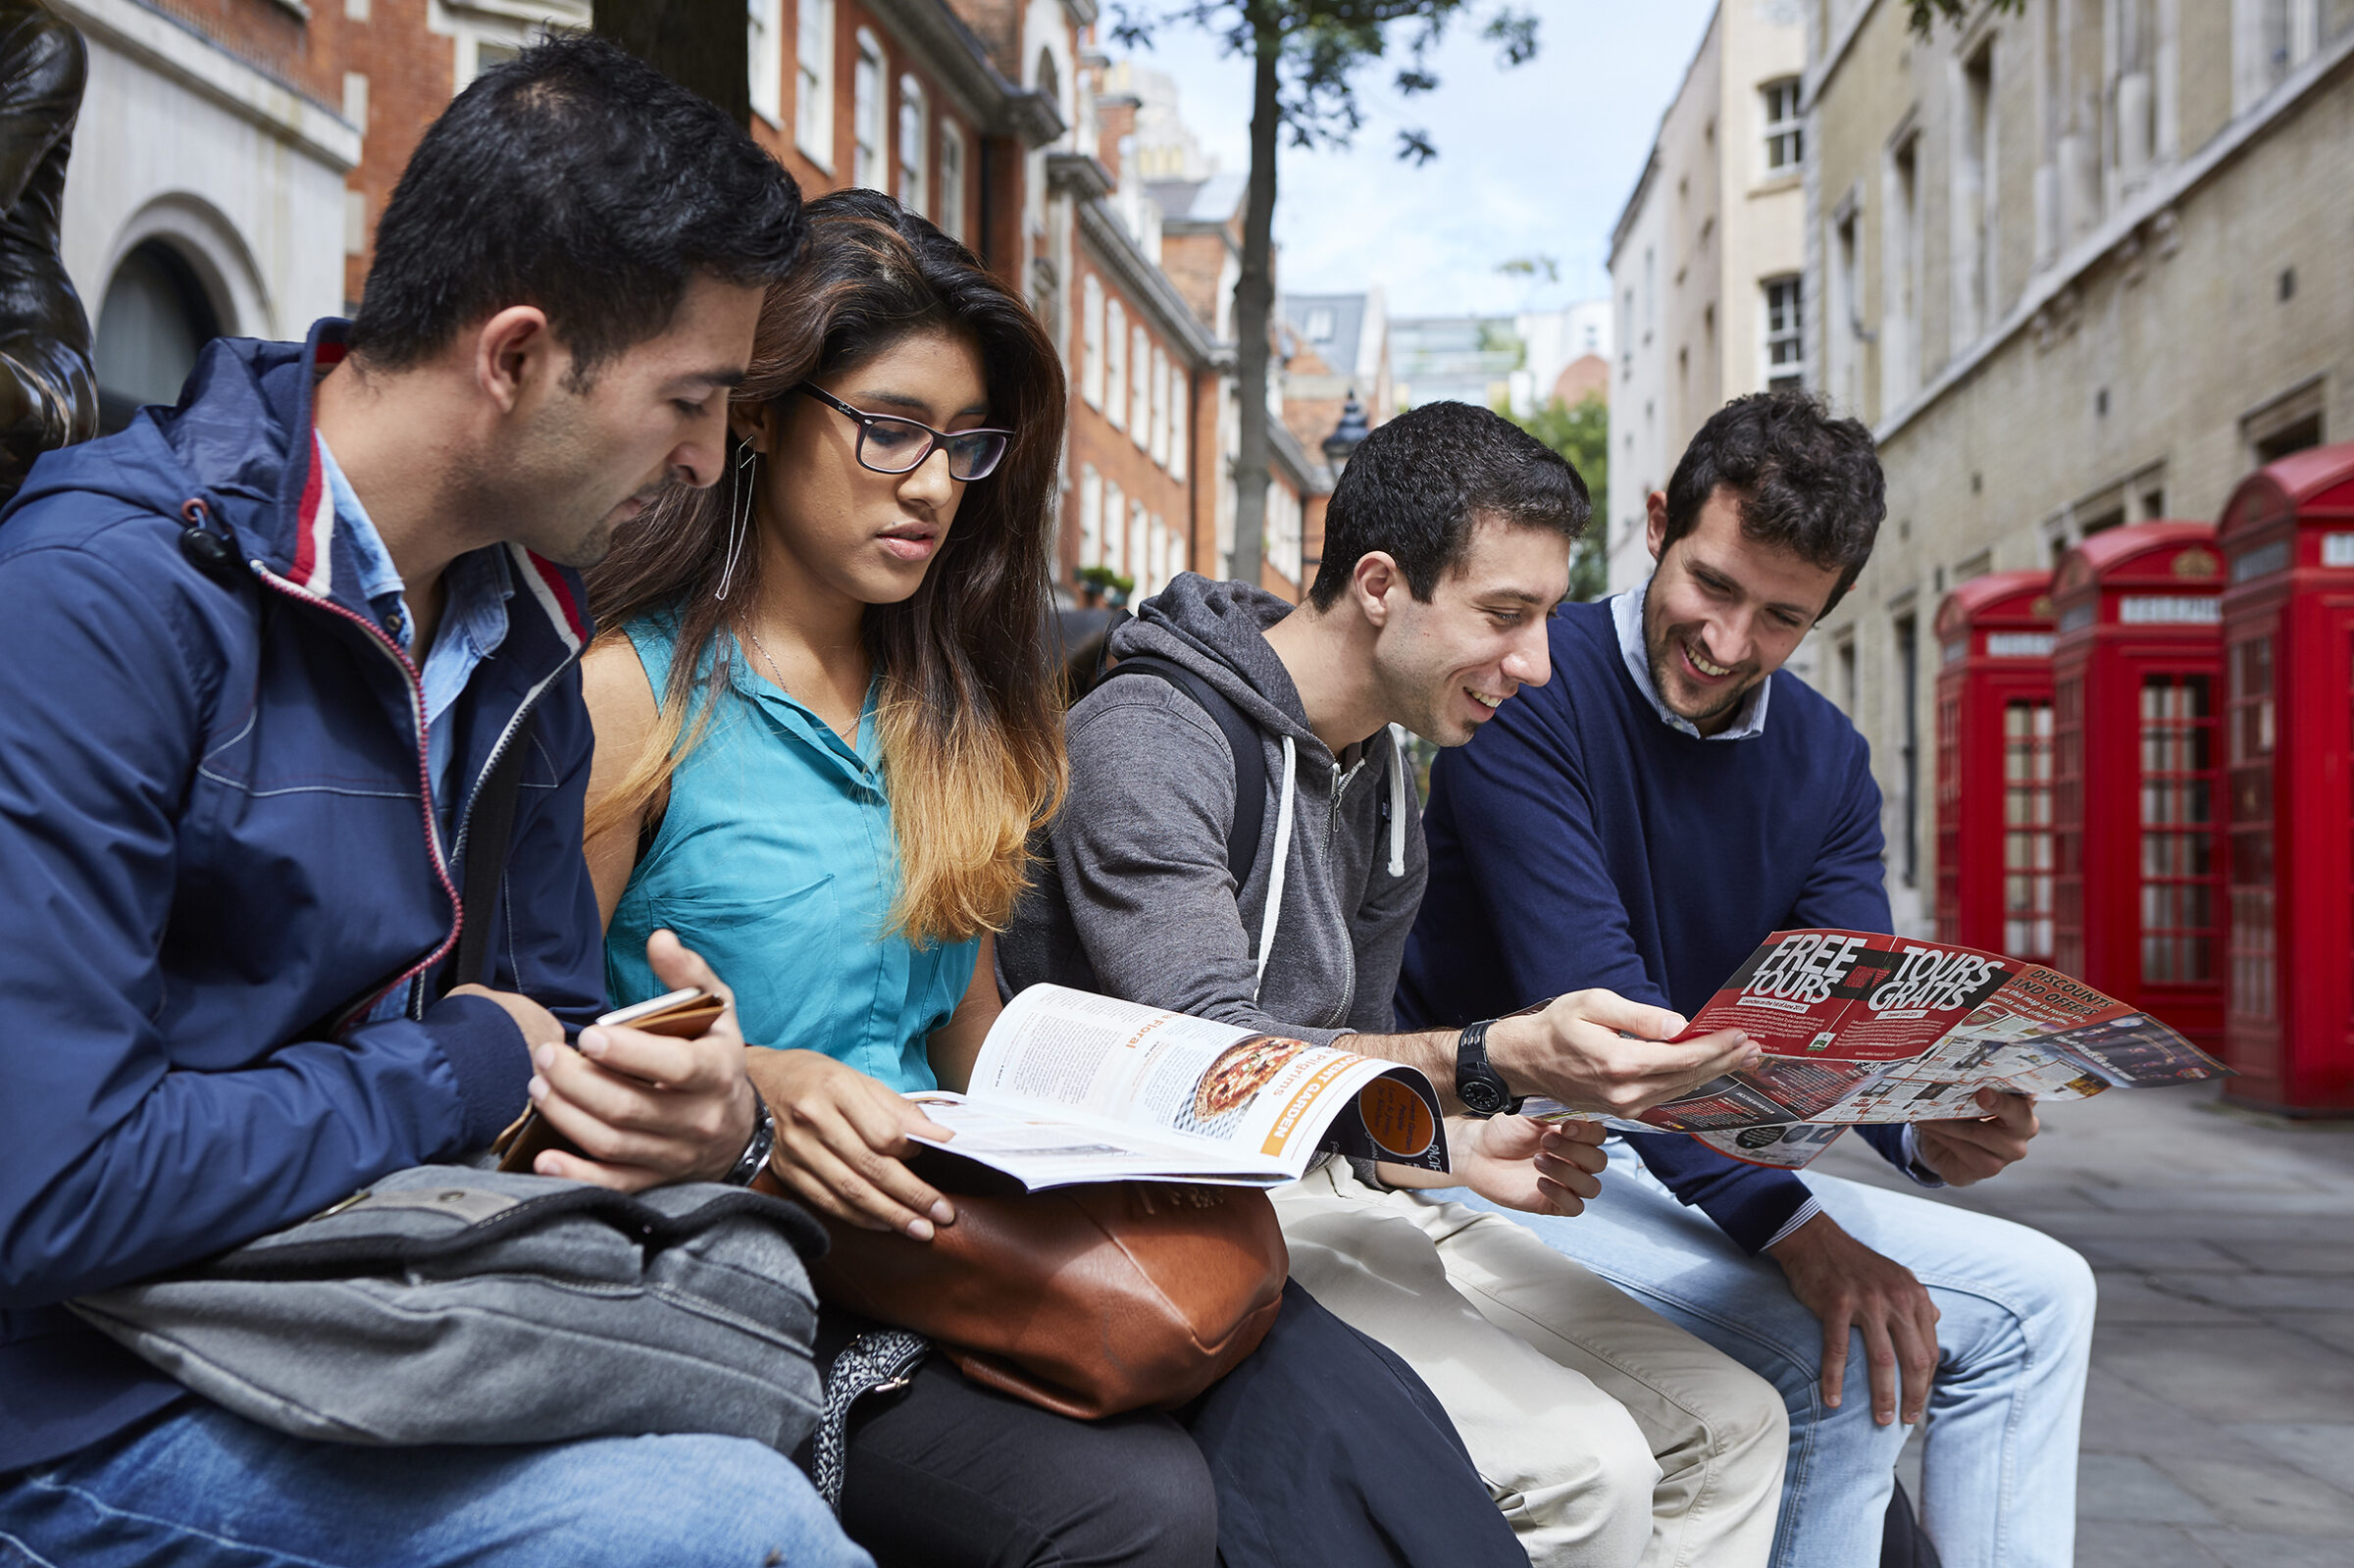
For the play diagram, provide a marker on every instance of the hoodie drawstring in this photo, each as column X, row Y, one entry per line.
column 1397, row 800
column 1283, row 846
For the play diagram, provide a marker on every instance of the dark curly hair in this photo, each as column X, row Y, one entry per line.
column 1414, row 487
column 1806, row 482
column 578, row 178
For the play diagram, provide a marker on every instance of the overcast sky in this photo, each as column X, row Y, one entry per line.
column 1537, row 160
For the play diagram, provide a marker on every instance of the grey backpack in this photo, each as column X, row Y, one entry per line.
column 447, row 1304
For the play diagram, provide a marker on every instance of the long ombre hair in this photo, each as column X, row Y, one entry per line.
column 970, row 710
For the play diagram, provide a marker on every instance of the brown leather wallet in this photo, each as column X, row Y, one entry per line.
column 682, row 1015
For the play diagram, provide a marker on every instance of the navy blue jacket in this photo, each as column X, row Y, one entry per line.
column 216, row 850
column 1579, row 841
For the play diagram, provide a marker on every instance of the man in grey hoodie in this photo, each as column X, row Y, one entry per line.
column 1607, row 1435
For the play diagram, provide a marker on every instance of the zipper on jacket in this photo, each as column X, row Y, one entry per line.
column 1332, row 829
column 506, row 737
column 414, row 684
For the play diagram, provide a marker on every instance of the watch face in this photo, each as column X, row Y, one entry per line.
column 1481, row 1094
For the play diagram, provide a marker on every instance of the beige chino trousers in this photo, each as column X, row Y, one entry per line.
column 1607, row 1434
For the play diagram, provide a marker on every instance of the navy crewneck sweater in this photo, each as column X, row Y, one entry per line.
column 1580, row 841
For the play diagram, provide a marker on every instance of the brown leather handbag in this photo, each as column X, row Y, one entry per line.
column 1086, row 1300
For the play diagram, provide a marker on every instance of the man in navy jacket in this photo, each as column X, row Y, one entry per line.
column 263, row 648
column 1641, row 824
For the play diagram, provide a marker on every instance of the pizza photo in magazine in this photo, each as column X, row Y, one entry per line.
column 1865, row 1026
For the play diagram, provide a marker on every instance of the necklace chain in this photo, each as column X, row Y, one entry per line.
column 850, row 740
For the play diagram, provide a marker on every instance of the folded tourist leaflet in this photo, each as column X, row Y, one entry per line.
column 1075, row 1088
column 1859, row 1027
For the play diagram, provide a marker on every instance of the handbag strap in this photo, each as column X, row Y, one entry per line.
column 493, row 824
column 879, row 1362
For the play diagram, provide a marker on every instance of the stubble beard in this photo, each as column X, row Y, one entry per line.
column 1656, row 651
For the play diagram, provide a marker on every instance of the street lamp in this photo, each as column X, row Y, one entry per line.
column 1344, row 439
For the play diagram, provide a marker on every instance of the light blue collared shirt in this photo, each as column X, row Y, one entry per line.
column 776, row 861
column 1626, row 614
column 475, row 590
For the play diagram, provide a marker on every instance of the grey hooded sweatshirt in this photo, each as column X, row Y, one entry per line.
column 1134, row 898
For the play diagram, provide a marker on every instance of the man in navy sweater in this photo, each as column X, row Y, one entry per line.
column 1640, row 823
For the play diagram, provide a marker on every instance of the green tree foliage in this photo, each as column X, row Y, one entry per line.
column 1582, row 434
column 1304, row 57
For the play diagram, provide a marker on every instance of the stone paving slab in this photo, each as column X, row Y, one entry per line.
column 2240, row 1548
column 2123, row 1544
column 2219, row 1421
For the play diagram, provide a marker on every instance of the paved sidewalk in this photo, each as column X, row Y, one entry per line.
column 2219, row 1427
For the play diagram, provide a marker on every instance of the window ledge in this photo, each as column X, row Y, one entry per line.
column 1774, row 184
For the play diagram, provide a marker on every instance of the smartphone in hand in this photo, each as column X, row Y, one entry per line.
column 684, row 1014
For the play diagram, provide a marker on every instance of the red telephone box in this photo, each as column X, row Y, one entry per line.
column 2288, row 648
column 1994, row 765
column 2136, row 696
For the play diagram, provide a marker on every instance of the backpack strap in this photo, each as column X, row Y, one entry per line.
column 1242, row 736
column 486, row 836
column 1118, row 617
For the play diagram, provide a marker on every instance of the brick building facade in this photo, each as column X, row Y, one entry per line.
column 206, row 192
column 236, row 155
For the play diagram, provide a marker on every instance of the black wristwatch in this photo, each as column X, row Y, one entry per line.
column 754, row 1158
column 1477, row 1084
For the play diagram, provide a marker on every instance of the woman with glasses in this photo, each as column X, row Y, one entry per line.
column 828, row 717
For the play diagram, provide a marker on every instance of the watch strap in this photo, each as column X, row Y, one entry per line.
column 754, row 1158
column 1477, row 1084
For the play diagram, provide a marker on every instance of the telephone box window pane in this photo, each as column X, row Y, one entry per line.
column 2177, row 861
column 2027, row 855
column 2252, row 970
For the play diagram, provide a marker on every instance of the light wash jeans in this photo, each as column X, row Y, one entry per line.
column 200, row 1488
column 1999, row 1465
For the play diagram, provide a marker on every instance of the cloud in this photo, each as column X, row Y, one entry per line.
column 1538, row 160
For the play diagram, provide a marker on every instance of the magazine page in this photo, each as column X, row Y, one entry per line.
column 1081, row 1087
column 1040, row 1151
column 1862, row 1028
column 1839, row 1013
column 2005, row 1043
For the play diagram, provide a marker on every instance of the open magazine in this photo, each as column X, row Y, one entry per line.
column 1859, row 1027
column 1075, row 1088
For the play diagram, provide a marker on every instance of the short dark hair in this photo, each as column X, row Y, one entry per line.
column 578, row 178
column 1414, row 487
column 1805, row 482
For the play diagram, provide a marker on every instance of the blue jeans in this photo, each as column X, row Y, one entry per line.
column 1999, row 1462
column 201, row 1488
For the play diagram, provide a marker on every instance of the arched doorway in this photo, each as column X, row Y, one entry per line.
column 154, row 317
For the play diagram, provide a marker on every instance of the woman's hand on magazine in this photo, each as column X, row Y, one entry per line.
column 841, row 1141
column 1539, row 1167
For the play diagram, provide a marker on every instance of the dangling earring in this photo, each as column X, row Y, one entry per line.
column 740, row 512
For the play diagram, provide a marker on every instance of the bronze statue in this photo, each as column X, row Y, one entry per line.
column 48, row 394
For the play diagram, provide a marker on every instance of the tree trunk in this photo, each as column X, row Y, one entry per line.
column 1254, row 304
column 699, row 44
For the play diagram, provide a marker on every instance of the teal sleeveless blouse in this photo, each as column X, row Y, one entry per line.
column 775, row 861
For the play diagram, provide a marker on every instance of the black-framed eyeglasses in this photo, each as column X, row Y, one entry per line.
column 891, row 444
